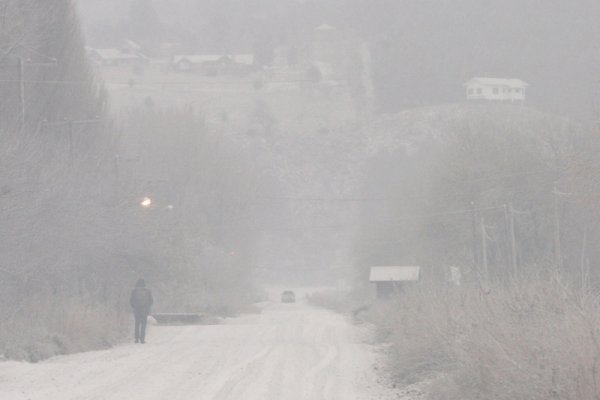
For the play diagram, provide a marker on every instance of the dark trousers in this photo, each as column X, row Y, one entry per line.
column 141, row 319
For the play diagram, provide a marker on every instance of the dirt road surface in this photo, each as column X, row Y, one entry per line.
column 286, row 352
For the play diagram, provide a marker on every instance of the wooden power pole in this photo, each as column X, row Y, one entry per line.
column 557, row 244
column 484, row 258
column 510, row 224
column 21, row 78
column 474, row 239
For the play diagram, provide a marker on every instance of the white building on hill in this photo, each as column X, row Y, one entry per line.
column 496, row 89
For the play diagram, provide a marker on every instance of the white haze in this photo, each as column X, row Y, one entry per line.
column 227, row 151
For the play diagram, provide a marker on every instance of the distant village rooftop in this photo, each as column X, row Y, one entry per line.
column 128, row 55
column 191, row 62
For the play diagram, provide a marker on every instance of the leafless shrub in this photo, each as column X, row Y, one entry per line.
column 534, row 339
column 331, row 299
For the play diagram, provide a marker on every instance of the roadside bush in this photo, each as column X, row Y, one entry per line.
column 535, row 339
column 352, row 301
column 331, row 299
column 420, row 328
column 61, row 326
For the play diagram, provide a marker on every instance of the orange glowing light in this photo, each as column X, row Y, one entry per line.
column 146, row 202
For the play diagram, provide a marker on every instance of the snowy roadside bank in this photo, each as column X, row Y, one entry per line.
column 290, row 351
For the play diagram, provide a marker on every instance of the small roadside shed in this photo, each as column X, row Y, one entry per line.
column 390, row 279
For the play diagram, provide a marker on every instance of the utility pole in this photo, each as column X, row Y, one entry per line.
column 486, row 272
column 21, row 63
column 70, row 130
column 474, row 233
column 513, row 240
column 557, row 245
column 21, row 77
column 509, row 213
column 584, row 259
column 70, row 142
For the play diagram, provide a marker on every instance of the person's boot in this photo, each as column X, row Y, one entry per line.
column 137, row 340
column 142, row 341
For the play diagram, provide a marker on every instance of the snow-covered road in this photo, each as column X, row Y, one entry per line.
column 287, row 352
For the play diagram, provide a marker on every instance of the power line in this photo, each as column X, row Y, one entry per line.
column 19, row 43
column 448, row 213
column 388, row 199
column 271, row 200
column 499, row 177
column 154, row 83
column 402, row 218
column 21, row 63
column 409, row 197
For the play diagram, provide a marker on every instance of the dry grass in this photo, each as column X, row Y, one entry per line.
column 536, row 339
column 331, row 299
column 54, row 328
column 339, row 300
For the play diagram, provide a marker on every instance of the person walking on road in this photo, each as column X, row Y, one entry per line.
column 141, row 300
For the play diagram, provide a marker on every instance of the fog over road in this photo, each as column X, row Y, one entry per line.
column 286, row 352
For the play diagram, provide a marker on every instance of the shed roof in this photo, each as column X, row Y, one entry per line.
column 211, row 58
column 247, row 59
column 197, row 59
column 325, row 27
column 114, row 54
column 133, row 45
column 394, row 274
column 513, row 83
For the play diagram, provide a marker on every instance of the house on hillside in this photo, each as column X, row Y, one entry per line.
column 327, row 46
column 390, row 279
column 187, row 63
column 496, row 89
column 168, row 50
column 214, row 64
column 129, row 55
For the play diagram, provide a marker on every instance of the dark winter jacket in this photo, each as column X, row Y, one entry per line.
column 141, row 300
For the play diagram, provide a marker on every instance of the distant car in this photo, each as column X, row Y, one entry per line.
column 288, row 296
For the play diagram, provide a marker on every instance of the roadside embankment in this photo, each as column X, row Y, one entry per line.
column 535, row 338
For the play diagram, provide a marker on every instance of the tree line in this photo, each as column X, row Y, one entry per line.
column 495, row 189
column 76, row 230
column 508, row 195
